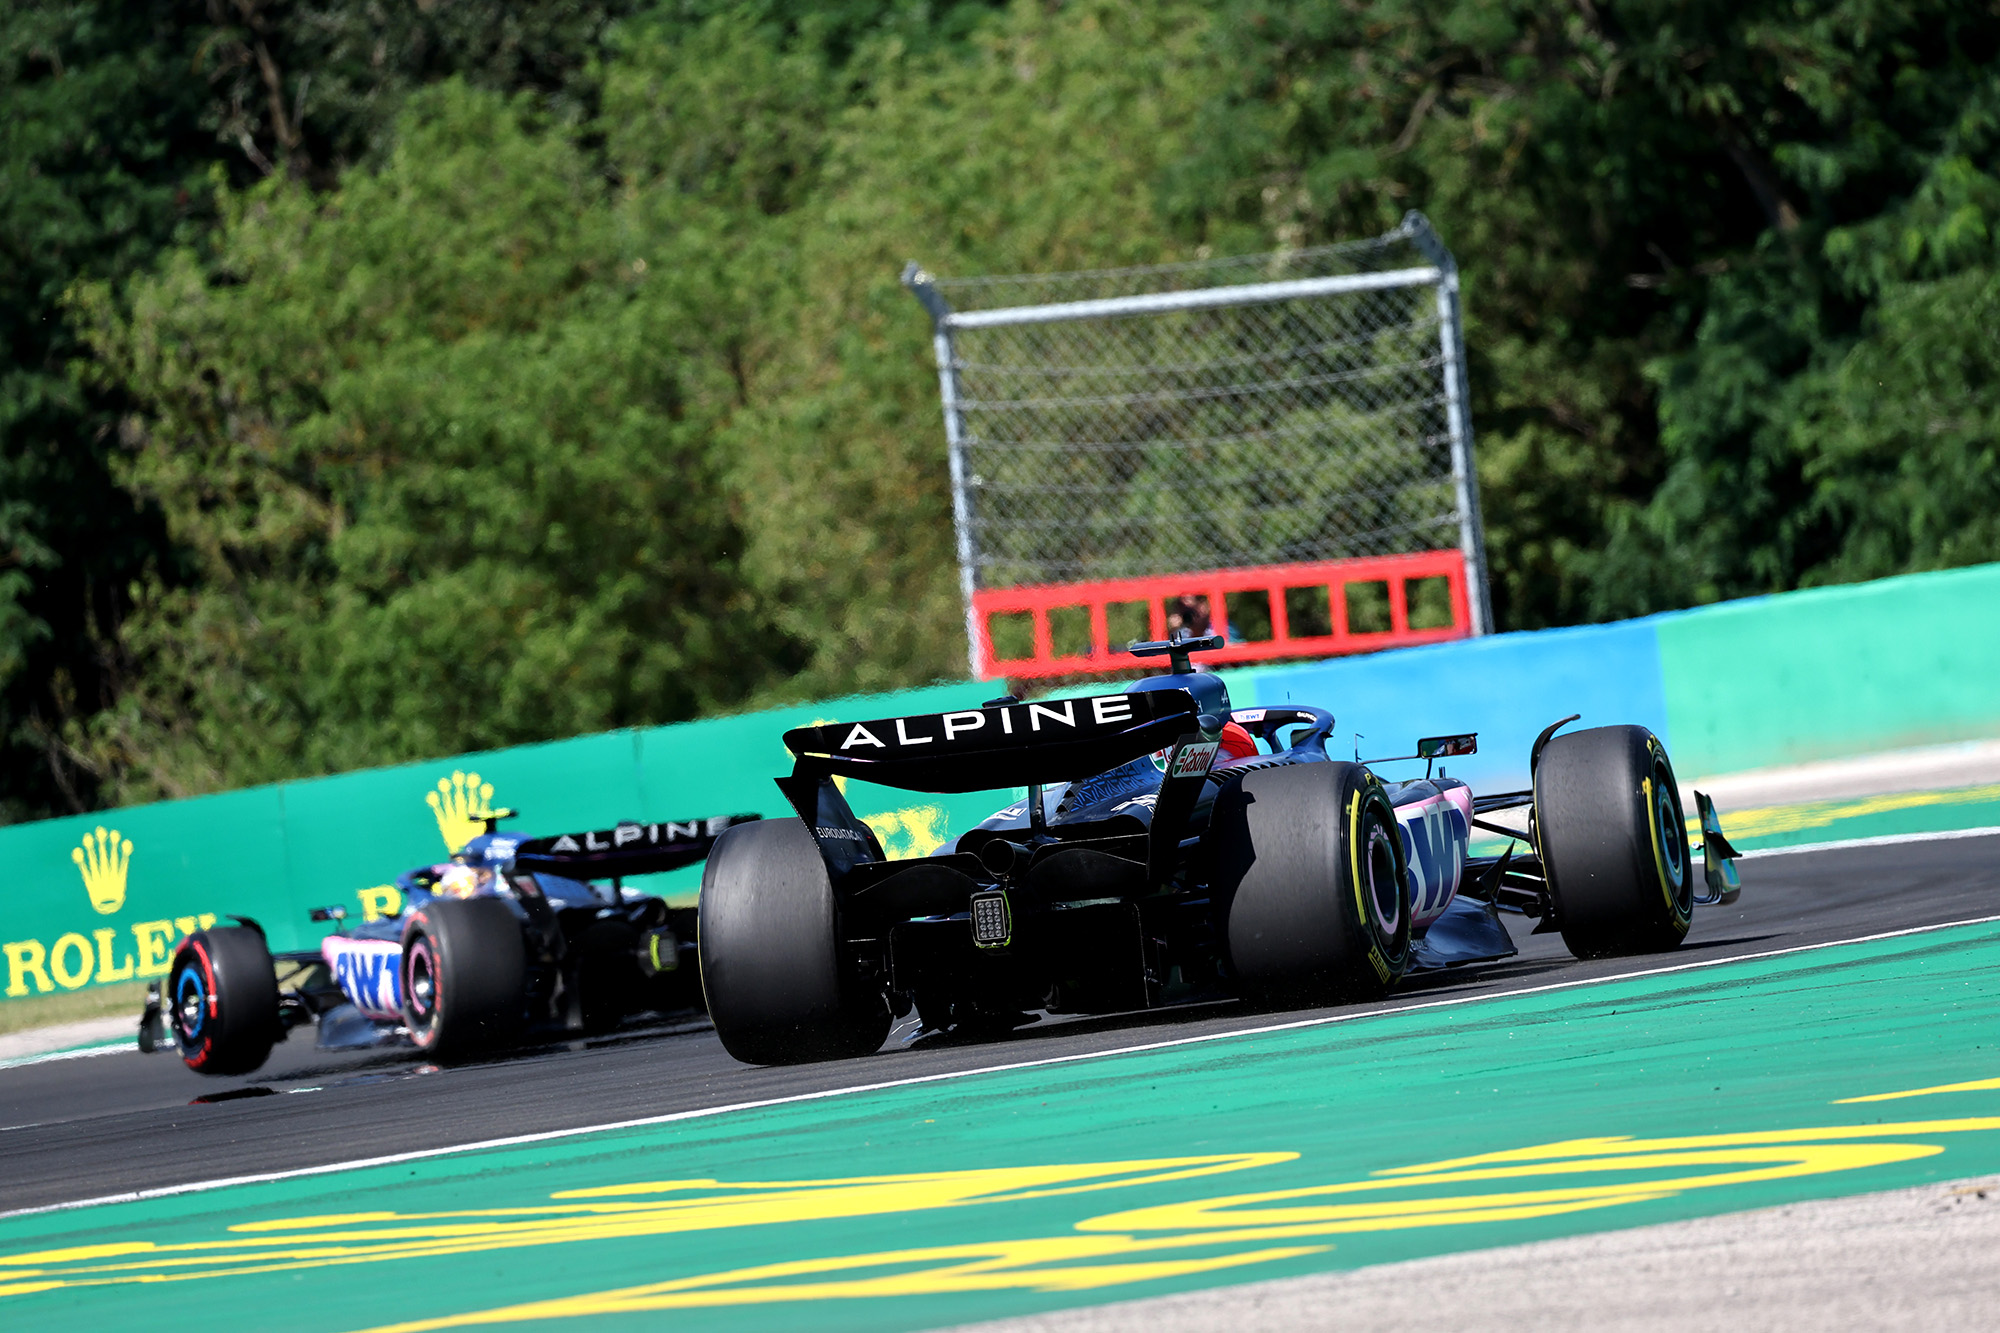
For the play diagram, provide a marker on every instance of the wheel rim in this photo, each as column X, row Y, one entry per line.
column 1385, row 888
column 1670, row 842
column 421, row 986
column 1673, row 848
column 190, row 1004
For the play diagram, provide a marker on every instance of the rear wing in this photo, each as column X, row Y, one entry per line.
column 628, row 849
column 1005, row 745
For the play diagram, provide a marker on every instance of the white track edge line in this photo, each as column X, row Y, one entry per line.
column 1884, row 840
column 76, row 1053
column 701, row 1113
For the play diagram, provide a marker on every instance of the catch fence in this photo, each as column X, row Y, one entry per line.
column 1125, row 442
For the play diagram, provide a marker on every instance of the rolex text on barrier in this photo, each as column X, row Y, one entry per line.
column 91, row 951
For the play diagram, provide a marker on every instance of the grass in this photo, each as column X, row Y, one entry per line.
column 40, row 1011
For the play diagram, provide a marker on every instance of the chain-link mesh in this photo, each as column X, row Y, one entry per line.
column 1274, row 432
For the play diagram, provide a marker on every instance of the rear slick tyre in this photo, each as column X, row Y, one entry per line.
column 1613, row 842
column 1309, row 861
column 770, row 952
column 464, row 976
column 222, row 997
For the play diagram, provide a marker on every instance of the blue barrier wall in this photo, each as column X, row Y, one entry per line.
column 1506, row 687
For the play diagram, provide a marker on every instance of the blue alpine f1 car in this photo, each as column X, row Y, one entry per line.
column 1170, row 848
column 512, row 937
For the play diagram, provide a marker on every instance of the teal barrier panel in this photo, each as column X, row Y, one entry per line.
column 348, row 837
column 1831, row 672
column 87, row 907
column 1756, row 683
column 103, row 898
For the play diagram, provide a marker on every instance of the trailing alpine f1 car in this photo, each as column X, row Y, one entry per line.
column 509, row 938
column 1169, row 848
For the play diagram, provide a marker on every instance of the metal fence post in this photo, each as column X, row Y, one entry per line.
column 920, row 285
column 1465, row 478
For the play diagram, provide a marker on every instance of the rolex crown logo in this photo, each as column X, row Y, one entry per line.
column 104, row 858
column 460, row 803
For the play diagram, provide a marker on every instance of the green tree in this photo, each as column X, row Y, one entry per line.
column 440, row 444
column 1623, row 182
column 1035, row 145
column 112, row 117
column 312, row 87
column 100, row 165
column 579, row 390
column 1833, row 416
column 500, row 442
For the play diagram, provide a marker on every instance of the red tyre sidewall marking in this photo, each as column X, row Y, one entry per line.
column 201, row 1053
column 427, row 944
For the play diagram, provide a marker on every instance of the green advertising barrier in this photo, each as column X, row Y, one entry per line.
column 103, row 898
column 1832, row 672
column 94, row 901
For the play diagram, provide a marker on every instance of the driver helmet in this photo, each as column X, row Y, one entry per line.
column 489, row 851
column 464, row 881
column 1237, row 743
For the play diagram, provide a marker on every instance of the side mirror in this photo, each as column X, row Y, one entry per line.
column 1430, row 749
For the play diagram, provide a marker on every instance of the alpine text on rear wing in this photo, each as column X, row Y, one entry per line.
column 1005, row 745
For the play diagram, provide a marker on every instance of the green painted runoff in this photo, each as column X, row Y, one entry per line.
column 1696, row 1090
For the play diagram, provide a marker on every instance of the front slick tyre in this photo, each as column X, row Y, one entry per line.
column 1613, row 842
column 222, row 995
column 1310, row 864
column 770, row 952
column 464, row 975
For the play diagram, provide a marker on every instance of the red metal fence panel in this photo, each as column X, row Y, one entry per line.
column 1284, row 611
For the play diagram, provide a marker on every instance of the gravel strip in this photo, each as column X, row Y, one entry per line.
column 1919, row 1258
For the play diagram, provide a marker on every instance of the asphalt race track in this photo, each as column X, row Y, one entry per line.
column 81, row 1129
column 91, row 1127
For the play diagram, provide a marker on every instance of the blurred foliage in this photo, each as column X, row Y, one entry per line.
column 1663, row 213
column 1834, row 416
column 387, row 381
column 101, row 163
column 438, row 446
column 1036, row 148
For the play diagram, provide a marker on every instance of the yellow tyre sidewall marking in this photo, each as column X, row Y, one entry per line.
column 1655, row 759
column 1383, row 973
